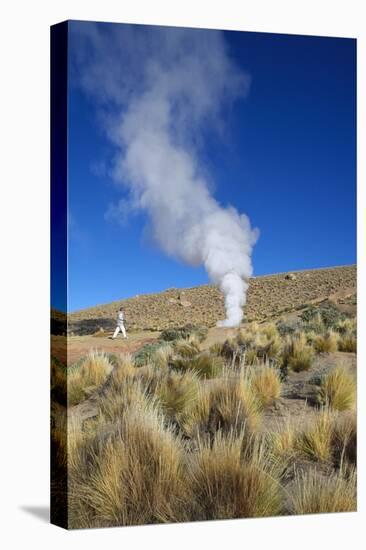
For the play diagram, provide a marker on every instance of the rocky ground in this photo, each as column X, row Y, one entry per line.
column 268, row 297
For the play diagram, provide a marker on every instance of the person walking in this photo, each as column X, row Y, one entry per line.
column 120, row 324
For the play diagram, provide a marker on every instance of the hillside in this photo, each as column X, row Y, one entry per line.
column 268, row 297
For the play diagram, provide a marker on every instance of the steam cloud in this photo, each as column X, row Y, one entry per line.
column 159, row 91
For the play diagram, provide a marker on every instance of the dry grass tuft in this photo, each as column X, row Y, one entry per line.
column 297, row 354
column 177, row 393
column 327, row 342
column 137, row 477
column 185, row 348
column 160, row 357
column 205, row 365
column 316, row 494
column 316, row 440
column 282, row 442
column 88, row 376
column 345, row 439
column 338, row 389
column 233, row 403
column 345, row 326
column 227, row 485
column 348, row 342
column 266, row 384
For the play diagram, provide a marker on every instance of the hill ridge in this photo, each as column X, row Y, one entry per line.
column 268, row 295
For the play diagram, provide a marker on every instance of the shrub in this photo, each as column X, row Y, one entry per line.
column 266, row 384
column 297, row 353
column 204, row 364
column 327, row 342
column 338, row 389
column 227, row 486
column 328, row 313
column 184, row 333
column 144, row 355
column 90, row 373
column 288, row 329
column 316, row 440
column 316, row 494
column 315, row 324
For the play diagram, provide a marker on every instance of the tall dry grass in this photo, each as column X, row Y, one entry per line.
column 348, row 342
column 233, row 404
column 266, row 384
column 205, row 365
column 297, row 354
column 136, row 477
column 88, row 376
column 316, row 439
column 326, row 342
column 177, row 393
column 338, row 389
column 228, row 485
column 315, row 494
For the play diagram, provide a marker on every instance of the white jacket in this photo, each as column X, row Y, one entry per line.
column 120, row 318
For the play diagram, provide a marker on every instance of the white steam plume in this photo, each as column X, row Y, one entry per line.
column 184, row 79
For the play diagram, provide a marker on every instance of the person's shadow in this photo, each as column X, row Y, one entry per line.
column 40, row 512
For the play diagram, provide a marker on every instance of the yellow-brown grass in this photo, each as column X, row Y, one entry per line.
column 316, row 494
column 186, row 348
column 177, row 393
column 204, row 365
column 227, row 485
column 266, row 384
column 233, row 403
column 89, row 375
column 326, row 342
column 338, row 389
column 344, row 326
column 316, row 440
column 137, row 476
column 348, row 342
column 345, row 439
column 282, row 441
column 297, row 354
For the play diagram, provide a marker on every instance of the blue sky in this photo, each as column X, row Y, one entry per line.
column 285, row 157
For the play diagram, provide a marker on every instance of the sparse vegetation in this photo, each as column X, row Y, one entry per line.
column 224, row 423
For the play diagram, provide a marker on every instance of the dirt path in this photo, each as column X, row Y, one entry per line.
column 79, row 346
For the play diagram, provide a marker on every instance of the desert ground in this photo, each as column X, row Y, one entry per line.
column 185, row 421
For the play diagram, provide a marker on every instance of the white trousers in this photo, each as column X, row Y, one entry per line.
column 120, row 328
